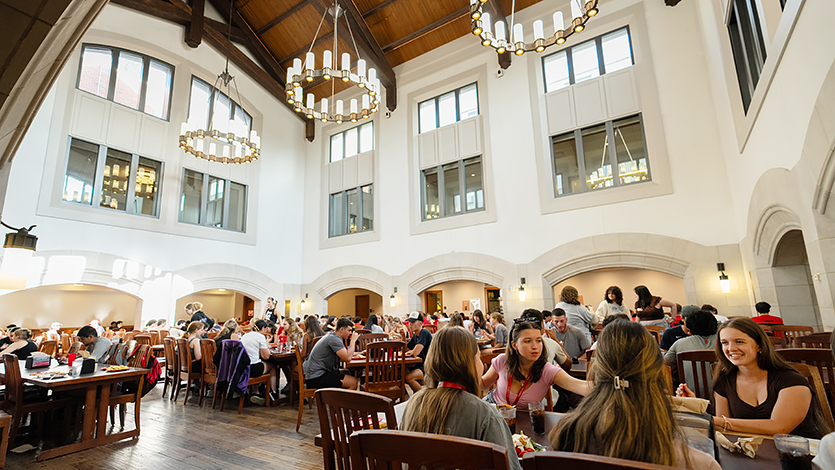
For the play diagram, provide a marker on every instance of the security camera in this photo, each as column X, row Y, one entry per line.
column 388, row 114
column 499, row 73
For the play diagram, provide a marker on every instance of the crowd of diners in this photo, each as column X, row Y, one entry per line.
column 622, row 410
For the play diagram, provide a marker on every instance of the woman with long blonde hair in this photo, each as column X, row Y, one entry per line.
column 627, row 414
column 448, row 404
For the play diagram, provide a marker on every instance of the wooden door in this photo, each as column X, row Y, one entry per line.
column 249, row 309
column 493, row 303
column 433, row 301
column 362, row 305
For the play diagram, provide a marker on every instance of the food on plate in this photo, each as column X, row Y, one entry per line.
column 523, row 444
column 116, row 368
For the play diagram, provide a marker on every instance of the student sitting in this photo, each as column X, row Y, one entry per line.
column 96, row 346
column 20, row 344
column 321, row 369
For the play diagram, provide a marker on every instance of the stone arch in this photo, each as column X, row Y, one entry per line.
column 242, row 279
column 773, row 222
column 477, row 267
column 350, row 277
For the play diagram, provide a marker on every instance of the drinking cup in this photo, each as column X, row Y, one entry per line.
column 537, row 413
column 793, row 451
column 509, row 415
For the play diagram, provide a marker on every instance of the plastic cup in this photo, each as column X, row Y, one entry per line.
column 537, row 413
column 793, row 451
column 70, row 358
column 509, row 415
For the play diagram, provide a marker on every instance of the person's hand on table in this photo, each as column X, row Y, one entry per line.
column 684, row 391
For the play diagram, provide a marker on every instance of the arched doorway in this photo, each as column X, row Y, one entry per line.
column 592, row 285
column 460, row 296
column 355, row 303
column 793, row 281
column 219, row 304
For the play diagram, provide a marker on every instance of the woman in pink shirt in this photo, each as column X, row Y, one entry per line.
column 523, row 373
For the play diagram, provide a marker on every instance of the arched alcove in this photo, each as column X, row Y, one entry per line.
column 355, row 303
column 219, row 304
column 793, row 283
column 592, row 285
column 459, row 296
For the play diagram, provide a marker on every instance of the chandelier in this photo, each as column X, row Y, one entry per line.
column 301, row 73
column 237, row 144
column 494, row 35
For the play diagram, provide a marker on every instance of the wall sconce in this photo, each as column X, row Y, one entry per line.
column 522, row 291
column 723, row 278
column 392, row 299
column 302, row 304
column 19, row 248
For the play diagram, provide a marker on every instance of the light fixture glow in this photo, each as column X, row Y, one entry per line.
column 521, row 293
column 392, row 300
column 724, row 282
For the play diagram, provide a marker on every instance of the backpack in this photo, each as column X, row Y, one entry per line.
column 151, row 378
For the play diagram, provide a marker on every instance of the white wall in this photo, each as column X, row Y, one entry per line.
column 74, row 306
column 455, row 293
column 592, row 285
column 344, row 303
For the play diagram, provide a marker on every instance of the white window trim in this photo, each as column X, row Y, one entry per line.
column 416, row 223
column 650, row 109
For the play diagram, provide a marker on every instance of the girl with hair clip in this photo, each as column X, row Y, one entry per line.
column 627, row 414
column 612, row 304
column 755, row 390
column 523, row 374
column 448, row 403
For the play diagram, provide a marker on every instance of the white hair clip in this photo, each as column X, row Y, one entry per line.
column 621, row 384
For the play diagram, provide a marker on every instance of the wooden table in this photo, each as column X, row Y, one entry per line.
column 355, row 363
column 578, row 371
column 96, row 402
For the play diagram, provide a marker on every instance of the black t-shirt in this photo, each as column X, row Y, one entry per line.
column 199, row 316
column 271, row 315
column 671, row 336
column 5, row 341
column 26, row 351
column 424, row 338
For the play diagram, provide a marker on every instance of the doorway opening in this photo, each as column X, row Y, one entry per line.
column 793, row 281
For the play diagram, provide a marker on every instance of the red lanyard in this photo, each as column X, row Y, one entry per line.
column 519, row 395
column 451, row 385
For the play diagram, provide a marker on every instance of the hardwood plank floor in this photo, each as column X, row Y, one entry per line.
column 192, row 437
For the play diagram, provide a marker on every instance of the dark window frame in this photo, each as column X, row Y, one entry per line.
column 601, row 61
column 744, row 30
column 344, row 209
column 457, row 95
column 462, row 188
column 204, row 201
column 359, row 143
column 233, row 108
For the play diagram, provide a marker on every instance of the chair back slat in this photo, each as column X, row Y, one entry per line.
column 65, row 343
column 811, row 374
column 139, row 356
column 154, row 337
column 380, row 449
column 14, row 384
column 341, row 412
column 701, row 363
column 49, row 347
column 821, row 359
column 576, row 461
column 385, row 369
column 183, row 355
column 363, row 340
column 163, row 334
column 74, row 348
column 130, row 335
column 791, row 333
column 814, row 340
column 143, row 339
column 109, row 354
column 207, row 351
column 170, row 354
column 778, row 342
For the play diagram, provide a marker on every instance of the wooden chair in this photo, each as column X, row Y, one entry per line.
column 363, row 340
column 171, row 370
column 162, row 335
column 814, row 340
column 49, row 347
column 362, row 331
column 5, row 427
column 575, row 461
column 791, row 333
column 778, row 343
column 143, row 339
column 18, row 405
column 810, row 373
column 656, row 331
column 74, row 348
column 820, row 358
column 385, row 369
column 154, row 337
column 209, row 377
column 110, row 354
column 211, row 334
column 341, row 412
column 129, row 395
column 701, row 363
column 65, row 343
column 264, row 379
column 297, row 375
column 185, row 373
column 376, row 449
column 595, row 332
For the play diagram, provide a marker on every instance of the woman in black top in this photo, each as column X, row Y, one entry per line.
column 229, row 331
column 21, row 346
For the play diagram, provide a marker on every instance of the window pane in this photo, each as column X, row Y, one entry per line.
column 427, row 116
column 114, row 189
column 431, row 205
column 221, row 113
column 237, row 207
column 566, row 168
column 128, row 80
column 351, row 142
column 745, row 86
column 159, row 90
column 452, row 190
column 632, row 156
column 214, row 204
column 191, row 197
column 469, row 101
column 446, row 109
column 81, row 172
column 353, row 210
column 242, row 118
column 336, row 147
column 198, row 106
column 366, row 137
column 616, row 51
column 95, row 71
column 584, row 57
column 472, row 178
column 367, row 208
column 337, row 223
column 148, row 175
column 556, row 71
column 596, row 155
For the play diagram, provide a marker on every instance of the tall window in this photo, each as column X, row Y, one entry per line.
column 453, row 188
column 207, row 104
column 116, row 180
column 131, row 79
column 607, row 155
column 604, row 54
column 448, row 108
column 351, row 211
column 212, row 201
column 748, row 47
column 352, row 142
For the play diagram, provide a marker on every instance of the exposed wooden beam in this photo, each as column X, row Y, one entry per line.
column 262, row 54
column 496, row 13
column 178, row 13
column 377, row 8
column 298, row 53
column 461, row 12
column 282, row 17
column 194, row 30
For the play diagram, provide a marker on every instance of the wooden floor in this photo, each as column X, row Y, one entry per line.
column 185, row 437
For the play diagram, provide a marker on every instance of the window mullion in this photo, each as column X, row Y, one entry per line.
column 441, row 192
column 204, row 200
column 96, row 193
column 130, row 196
column 569, row 60
column 744, row 51
column 598, row 44
column 224, row 223
column 613, row 152
column 581, row 160
column 759, row 55
column 437, row 113
column 359, row 217
column 423, row 194
column 346, row 223
column 462, row 190
column 114, row 64
column 143, row 89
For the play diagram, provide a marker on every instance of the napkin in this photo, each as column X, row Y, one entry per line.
column 692, row 405
column 743, row 445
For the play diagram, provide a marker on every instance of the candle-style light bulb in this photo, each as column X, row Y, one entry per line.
column 361, row 68
column 500, row 34
column 559, row 21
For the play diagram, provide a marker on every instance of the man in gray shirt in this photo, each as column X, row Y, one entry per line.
column 95, row 345
column 702, row 326
column 321, row 369
column 572, row 338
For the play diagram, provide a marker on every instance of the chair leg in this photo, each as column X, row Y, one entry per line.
column 202, row 392
column 176, row 392
column 301, row 410
column 188, row 389
column 241, row 403
column 165, row 383
column 214, row 394
column 122, row 411
column 112, row 416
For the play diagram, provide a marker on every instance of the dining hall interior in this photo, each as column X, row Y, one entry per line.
column 411, row 162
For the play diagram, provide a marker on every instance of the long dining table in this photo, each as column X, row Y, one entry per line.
column 96, row 388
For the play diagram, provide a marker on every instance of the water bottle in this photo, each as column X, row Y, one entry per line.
column 76, row 366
